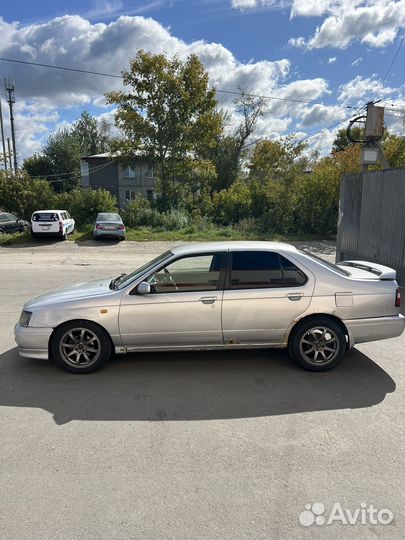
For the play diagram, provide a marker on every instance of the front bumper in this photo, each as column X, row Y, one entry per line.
column 363, row 330
column 32, row 342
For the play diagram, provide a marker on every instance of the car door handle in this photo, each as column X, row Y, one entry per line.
column 294, row 296
column 208, row 299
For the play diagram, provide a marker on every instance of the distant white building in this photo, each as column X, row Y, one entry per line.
column 105, row 171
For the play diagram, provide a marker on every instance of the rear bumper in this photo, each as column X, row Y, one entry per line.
column 32, row 342
column 46, row 233
column 363, row 330
column 97, row 233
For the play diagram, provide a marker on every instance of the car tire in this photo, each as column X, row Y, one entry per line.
column 80, row 346
column 317, row 344
column 121, row 238
column 63, row 236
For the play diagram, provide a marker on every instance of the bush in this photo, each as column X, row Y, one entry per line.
column 85, row 204
column 22, row 196
column 139, row 213
column 232, row 204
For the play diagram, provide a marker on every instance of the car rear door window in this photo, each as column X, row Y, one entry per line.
column 263, row 269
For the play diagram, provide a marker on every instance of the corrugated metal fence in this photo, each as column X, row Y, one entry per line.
column 372, row 219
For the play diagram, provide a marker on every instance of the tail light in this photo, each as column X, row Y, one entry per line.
column 60, row 225
column 121, row 227
column 398, row 298
column 98, row 226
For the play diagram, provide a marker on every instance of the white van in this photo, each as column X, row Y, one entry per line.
column 52, row 223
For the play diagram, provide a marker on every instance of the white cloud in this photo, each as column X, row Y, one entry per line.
column 243, row 4
column 362, row 89
column 332, row 60
column 357, row 61
column 374, row 22
column 310, row 8
column 320, row 114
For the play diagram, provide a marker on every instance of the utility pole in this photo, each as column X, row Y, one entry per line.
column 9, row 86
column 3, row 142
column 9, row 154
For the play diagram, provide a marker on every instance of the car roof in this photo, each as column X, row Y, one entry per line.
column 44, row 211
column 231, row 246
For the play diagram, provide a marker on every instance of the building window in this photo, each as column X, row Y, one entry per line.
column 150, row 195
column 130, row 195
column 149, row 172
column 128, row 172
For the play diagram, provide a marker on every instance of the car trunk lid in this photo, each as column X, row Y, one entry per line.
column 368, row 270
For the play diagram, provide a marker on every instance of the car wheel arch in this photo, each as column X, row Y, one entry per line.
column 334, row 318
column 79, row 321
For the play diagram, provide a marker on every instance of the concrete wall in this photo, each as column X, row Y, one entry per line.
column 372, row 219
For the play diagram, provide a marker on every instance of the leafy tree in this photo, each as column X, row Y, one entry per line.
column 394, row 150
column 317, row 194
column 278, row 160
column 92, row 135
column 38, row 166
column 63, row 152
column 230, row 148
column 167, row 115
column 342, row 141
column 22, row 196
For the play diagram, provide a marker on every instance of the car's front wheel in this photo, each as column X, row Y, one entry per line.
column 317, row 344
column 80, row 346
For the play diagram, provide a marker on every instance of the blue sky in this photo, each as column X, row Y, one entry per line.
column 333, row 53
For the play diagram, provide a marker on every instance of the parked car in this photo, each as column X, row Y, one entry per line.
column 52, row 223
column 213, row 296
column 11, row 224
column 109, row 225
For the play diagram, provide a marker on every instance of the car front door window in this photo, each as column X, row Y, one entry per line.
column 197, row 273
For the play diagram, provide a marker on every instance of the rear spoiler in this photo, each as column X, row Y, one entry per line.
column 383, row 272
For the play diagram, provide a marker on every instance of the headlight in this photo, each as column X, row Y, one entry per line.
column 25, row 318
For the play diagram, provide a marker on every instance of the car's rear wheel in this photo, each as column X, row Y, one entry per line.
column 80, row 346
column 317, row 344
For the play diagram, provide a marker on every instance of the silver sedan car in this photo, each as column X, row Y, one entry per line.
column 109, row 225
column 217, row 295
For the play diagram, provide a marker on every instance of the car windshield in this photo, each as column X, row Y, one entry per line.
column 328, row 264
column 109, row 217
column 129, row 278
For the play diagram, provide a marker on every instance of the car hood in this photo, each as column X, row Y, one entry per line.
column 72, row 292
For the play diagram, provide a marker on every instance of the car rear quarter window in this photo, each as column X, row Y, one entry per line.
column 3, row 217
column 262, row 270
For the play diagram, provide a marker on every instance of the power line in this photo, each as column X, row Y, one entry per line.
column 51, row 66
column 393, row 60
column 327, row 128
column 101, row 74
column 75, row 173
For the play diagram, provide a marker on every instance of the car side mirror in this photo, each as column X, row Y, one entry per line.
column 143, row 288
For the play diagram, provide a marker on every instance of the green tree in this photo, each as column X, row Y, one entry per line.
column 23, row 196
column 167, row 115
column 230, row 146
column 342, row 141
column 63, row 152
column 394, row 150
column 92, row 135
column 38, row 166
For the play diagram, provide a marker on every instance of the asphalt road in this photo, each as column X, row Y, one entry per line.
column 219, row 445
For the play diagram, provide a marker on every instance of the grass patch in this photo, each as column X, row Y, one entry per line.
column 191, row 234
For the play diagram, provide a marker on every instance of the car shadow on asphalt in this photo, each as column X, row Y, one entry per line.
column 191, row 386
